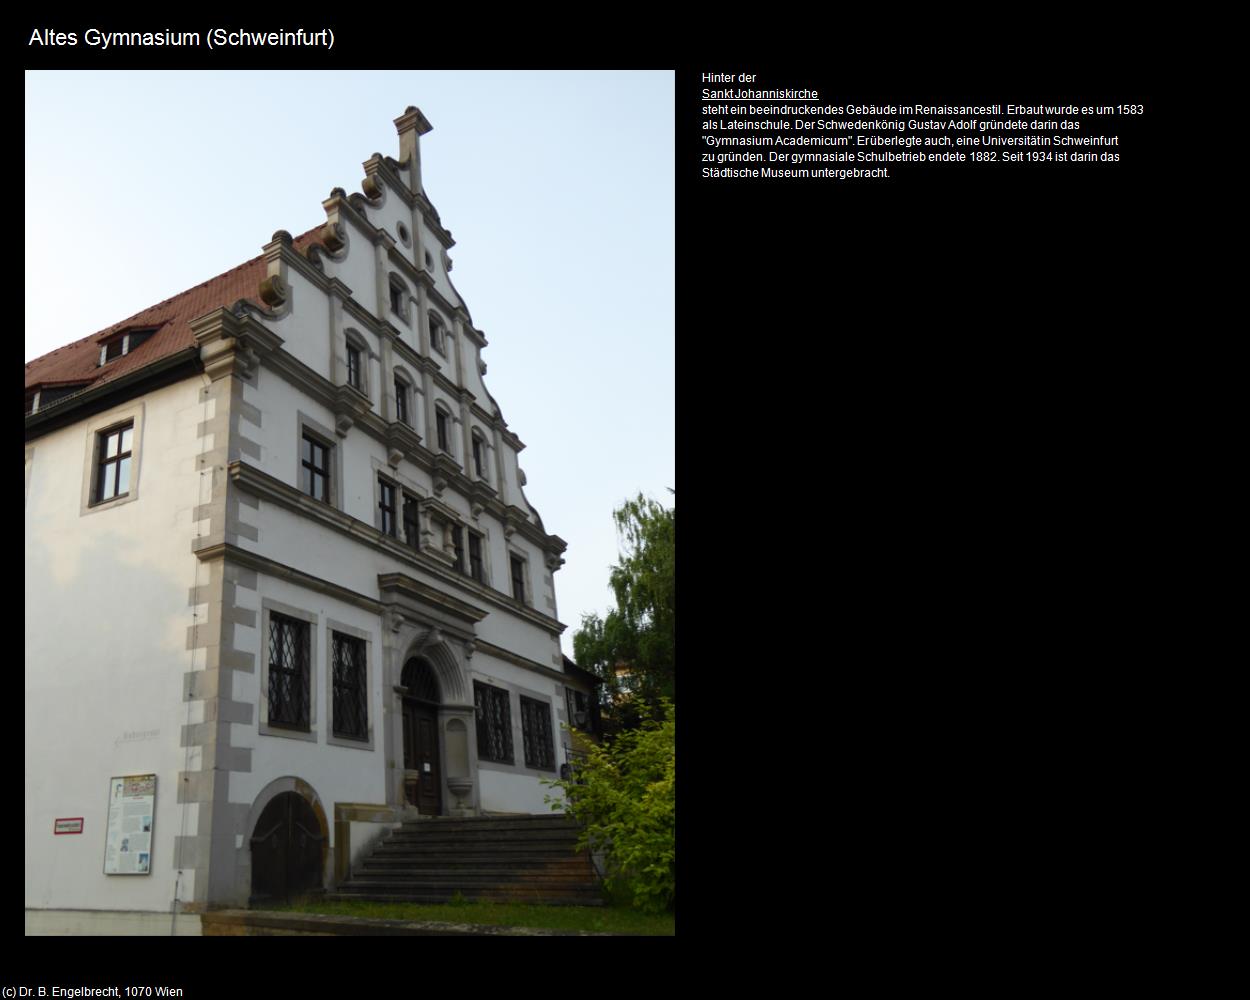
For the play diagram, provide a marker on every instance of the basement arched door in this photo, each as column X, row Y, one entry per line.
column 286, row 849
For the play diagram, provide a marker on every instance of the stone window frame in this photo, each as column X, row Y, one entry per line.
column 438, row 333
column 132, row 413
column 408, row 498
column 267, row 607
column 480, row 454
column 304, row 424
column 332, row 626
column 355, row 339
column 402, row 383
column 396, row 284
column 511, row 734
column 484, row 554
column 444, row 431
column 379, row 480
column 515, row 691
column 551, row 730
column 527, row 586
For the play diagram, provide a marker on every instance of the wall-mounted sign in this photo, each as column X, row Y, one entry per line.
column 73, row 825
column 128, row 847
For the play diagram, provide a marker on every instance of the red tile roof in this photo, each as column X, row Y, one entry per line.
column 79, row 362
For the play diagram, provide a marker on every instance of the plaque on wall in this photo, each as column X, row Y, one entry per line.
column 128, row 843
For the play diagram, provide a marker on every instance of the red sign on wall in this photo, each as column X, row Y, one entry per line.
column 73, row 825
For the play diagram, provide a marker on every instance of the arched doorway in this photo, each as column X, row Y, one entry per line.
column 287, row 849
column 423, row 771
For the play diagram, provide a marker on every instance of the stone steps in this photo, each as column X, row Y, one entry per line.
column 494, row 858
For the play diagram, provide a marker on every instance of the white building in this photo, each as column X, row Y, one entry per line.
column 278, row 555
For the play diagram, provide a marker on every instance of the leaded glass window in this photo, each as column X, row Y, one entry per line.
column 350, row 704
column 288, row 672
column 494, row 723
column 536, row 734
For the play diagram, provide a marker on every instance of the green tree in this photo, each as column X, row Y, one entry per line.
column 624, row 795
column 638, row 634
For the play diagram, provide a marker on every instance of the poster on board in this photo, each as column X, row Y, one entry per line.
column 128, row 844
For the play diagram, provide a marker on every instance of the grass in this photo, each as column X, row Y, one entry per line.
column 605, row 919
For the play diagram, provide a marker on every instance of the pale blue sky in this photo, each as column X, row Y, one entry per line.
column 557, row 186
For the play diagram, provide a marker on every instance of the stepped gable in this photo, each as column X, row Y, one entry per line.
column 79, row 363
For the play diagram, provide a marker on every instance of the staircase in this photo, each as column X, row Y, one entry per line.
column 515, row 859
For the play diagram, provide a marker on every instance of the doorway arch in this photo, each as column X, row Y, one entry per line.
column 289, row 842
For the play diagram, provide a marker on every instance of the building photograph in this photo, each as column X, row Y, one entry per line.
column 315, row 491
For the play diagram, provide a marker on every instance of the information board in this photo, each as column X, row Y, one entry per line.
column 128, row 847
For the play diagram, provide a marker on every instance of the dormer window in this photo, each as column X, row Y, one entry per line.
column 124, row 343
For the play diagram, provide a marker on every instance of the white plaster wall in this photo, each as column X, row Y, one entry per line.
column 79, row 923
column 512, row 793
column 305, row 331
column 441, row 280
column 105, row 631
column 472, row 377
column 357, row 269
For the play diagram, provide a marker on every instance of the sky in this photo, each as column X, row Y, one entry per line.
column 557, row 187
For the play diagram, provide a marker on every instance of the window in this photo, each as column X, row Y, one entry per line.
column 579, row 708
column 289, row 665
column 412, row 530
column 316, row 469
column 436, row 334
column 479, row 449
column 401, row 400
column 440, row 418
column 113, row 462
column 494, row 723
column 123, row 344
column 350, row 702
column 353, row 367
column 518, row 578
column 397, row 300
column 476, row 570
column 386, row 501
column 536, row 734
column 457, row 541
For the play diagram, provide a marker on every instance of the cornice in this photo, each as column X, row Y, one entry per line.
column 264, row 486
column 504, row 654
column 271, row 567
column 403, row 585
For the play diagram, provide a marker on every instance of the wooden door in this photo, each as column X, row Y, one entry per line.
column 423, row 773
column 286, row 849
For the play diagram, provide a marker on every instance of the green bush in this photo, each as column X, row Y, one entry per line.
column 623, row 795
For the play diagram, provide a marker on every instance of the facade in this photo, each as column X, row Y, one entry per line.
column 278, row 555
